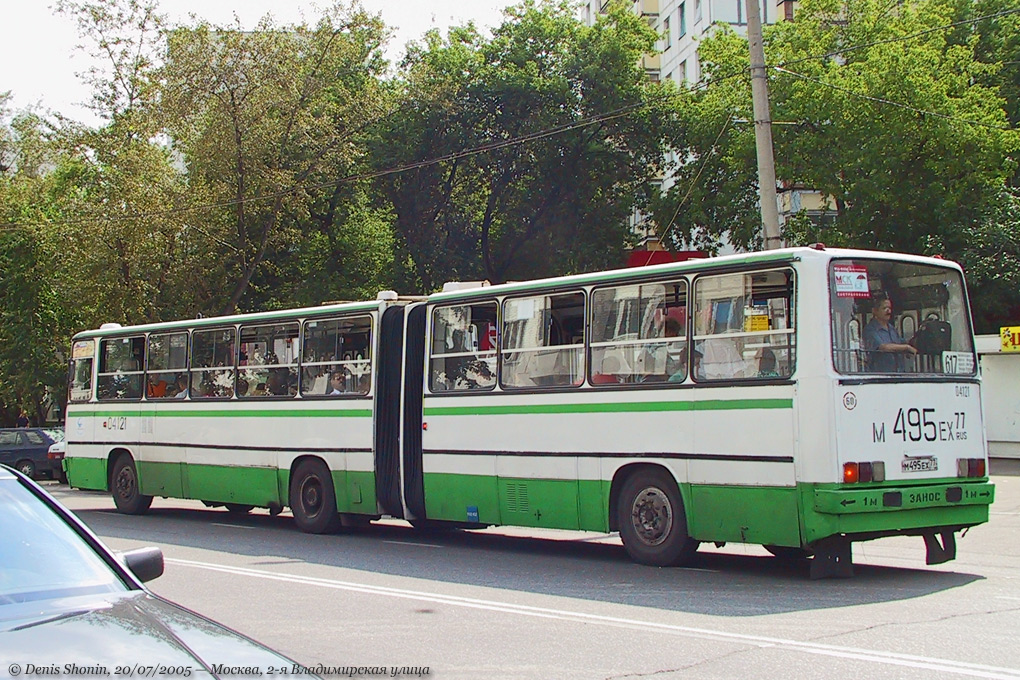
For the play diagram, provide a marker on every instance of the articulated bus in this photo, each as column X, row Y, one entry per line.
column 800, row 399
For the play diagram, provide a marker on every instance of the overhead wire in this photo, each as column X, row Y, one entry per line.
column 701, row 84
column 690, row 187
column 483, row 148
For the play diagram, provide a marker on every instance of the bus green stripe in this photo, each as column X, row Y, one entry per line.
column 230, row 413
column 608, row 407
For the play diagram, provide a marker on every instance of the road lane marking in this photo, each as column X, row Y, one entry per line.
column 761, row 641
column 410, row 542
column 231, row 526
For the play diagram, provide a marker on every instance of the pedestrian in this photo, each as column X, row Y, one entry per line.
column 23, row 419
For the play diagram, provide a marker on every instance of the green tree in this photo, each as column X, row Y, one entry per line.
column 557, row 202
column 894, row 125
column 992, row 264
column 997, row 45
column 33, row 325
column 129, row 255
column 268, row 122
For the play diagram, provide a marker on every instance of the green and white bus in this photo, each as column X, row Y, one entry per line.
column 800, row 399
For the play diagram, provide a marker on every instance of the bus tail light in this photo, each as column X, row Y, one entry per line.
column 873, row 471
column 970, row 467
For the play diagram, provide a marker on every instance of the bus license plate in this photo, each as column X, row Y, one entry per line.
column 920, row 465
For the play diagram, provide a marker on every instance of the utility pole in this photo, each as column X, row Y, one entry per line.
column 762, row 129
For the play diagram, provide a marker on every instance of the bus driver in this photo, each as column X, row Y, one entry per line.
column 885, row 346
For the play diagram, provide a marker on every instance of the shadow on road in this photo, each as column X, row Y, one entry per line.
column 718, row 583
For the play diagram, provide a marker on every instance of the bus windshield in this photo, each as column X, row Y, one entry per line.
column 899, row 317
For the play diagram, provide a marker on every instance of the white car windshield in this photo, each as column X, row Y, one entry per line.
column 41, row 556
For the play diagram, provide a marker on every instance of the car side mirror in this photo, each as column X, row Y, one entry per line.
column 145, row 563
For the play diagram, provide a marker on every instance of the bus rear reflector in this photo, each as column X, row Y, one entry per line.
column 970, row 467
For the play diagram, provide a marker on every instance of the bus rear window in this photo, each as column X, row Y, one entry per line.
column 899, row 317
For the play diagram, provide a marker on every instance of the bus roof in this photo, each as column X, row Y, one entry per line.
column 688, row 266
column 212, row 321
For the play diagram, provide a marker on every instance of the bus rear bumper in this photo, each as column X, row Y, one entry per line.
column 882, row 499
column 862, row 514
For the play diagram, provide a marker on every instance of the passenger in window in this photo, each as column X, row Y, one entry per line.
column 156, row 387
column 336, row 383
column 767, row 363
column 137, row 361
column 679, row 373
column 886, row 350
column 181, row 385
column 675, row 363
column 721, row 357
column 609, row 373
column 276, row 382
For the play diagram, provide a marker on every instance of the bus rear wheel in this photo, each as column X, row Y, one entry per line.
column 124, row 485
column 312, row 498
column 652, row 521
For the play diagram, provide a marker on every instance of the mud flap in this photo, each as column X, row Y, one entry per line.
column 937, row 553
column 833, row 558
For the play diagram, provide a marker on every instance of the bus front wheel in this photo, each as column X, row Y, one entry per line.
column 126, row 495
column 652, row 521
column 313, row 499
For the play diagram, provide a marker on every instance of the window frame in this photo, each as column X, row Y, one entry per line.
column 469, row 355
column 112, row 376
column 293, row 368
column 331, row 363
column 197, row 371
column 859, row 356
column 166, row 371
column 632, row 379
column 790, row 331
column 504, row 351
column 88, row 392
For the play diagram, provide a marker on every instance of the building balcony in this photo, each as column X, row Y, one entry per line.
column 647, row 8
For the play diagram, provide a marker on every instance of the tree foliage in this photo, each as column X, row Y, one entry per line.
column 543, row 155
column 267, row 121
column 894, row 123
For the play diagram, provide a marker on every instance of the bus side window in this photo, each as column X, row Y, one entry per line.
column 745, row 327
column 462, row 351
column 639, row 333
column 539, row 348
column 121, row 364
column 336, row 358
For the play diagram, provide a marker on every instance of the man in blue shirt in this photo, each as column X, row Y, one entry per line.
column 886, row 349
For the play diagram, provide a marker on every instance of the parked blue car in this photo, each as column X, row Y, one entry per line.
column 25, row 449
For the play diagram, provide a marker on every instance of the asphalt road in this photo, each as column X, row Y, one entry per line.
column 510, row 603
